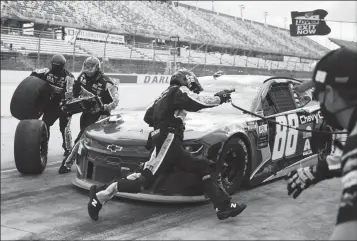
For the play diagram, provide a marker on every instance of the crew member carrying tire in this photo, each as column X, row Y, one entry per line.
column 61, row 83
column 91, row 82
column 167, row 116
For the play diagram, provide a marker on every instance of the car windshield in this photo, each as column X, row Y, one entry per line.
column 247, row 88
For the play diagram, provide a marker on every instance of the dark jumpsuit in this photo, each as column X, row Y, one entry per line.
column 167, row 116
column 61, row 89
column 99, row 85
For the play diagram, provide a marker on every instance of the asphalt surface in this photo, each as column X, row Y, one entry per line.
column 48, row 206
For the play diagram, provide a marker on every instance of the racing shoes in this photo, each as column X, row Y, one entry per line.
column 94, row 206
column 231, row 211
column 66, row 153
column 64, row 169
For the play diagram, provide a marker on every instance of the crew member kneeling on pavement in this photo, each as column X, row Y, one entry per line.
column 61, row 82
column 92, row 82
column 167, row 116
column 335, row 83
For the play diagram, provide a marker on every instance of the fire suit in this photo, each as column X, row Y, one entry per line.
column 61, row 90
column 167, row 116
column 99, row 85
column 348, row 204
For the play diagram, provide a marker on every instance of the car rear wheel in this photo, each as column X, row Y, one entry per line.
column 232, row 165
column 31, row 146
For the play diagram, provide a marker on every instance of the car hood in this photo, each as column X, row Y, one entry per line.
column 130, row 127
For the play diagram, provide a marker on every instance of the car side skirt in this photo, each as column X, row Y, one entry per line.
column 146, row 197
column 311, row 160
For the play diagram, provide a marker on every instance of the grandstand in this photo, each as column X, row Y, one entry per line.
column 139, row 40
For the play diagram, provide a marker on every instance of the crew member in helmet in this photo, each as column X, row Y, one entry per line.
column 92, row 82
column 61, row 82
column 335, row 87
column 166, row 116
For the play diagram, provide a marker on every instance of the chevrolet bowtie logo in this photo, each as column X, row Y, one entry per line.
column 114, row 148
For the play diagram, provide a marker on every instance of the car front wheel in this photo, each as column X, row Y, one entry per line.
column 232, row 166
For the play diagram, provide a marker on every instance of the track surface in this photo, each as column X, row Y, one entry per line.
column 48, row 206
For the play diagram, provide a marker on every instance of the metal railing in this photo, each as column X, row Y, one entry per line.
column 140, row 57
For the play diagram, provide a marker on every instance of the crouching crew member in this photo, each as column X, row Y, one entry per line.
column 167, row 116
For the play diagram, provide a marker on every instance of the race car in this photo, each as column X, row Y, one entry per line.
column 248, row 150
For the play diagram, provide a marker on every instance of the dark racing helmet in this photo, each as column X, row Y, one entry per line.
column 186, row 78
column 57, row 64
column 91, row 66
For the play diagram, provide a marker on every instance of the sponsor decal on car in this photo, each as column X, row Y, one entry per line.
column 114, row 148
column 263, row 135
column 315, row 117
column 307, row 148
column 307, row 134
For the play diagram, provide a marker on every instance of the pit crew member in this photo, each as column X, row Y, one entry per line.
column 61, row 82
column 92, row 82
column 335, row 87
column 166, row 116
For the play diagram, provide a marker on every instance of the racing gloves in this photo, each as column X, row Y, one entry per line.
column 303, row 178
column 64, row 108
column 224, row 95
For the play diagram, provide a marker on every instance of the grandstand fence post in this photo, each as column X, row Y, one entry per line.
column 175, row 52
column 189, row 54
column 153, row 57
column 74, row 50
column 131, row 52
column 105, row 48
column 131, row 49
column 234, row 57
column 206, row 54
column 220, row 60
column 39, row 46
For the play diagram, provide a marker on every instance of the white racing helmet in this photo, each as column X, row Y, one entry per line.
column 91, row 66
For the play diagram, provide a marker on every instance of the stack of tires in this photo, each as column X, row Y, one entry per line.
column 31, row 136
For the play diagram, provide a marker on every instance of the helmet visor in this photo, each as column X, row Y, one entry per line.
column 89, row 68
column 193, row 83
column 57, row 69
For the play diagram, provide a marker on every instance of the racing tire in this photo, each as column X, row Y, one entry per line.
column 232, row 164
column 30, row 98
column 31, row 146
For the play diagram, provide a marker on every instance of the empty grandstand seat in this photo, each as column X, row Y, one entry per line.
column 158, row 18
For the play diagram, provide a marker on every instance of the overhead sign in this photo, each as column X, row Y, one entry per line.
column 309, row 23
column 84, row 34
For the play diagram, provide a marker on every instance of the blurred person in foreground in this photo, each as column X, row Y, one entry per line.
column 335, row 87
column 61, row 83
column 167, row 116
column 92, row 82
